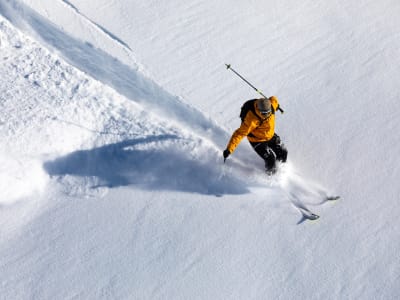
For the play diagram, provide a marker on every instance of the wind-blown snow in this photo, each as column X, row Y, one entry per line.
column 113, row 116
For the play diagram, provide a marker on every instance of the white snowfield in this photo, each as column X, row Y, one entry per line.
column 113, row 119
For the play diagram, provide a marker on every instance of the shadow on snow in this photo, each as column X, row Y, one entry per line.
column 139, row 162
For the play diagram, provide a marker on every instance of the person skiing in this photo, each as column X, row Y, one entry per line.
column 258, row 125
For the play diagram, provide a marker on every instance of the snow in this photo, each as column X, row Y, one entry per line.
column 113, row 118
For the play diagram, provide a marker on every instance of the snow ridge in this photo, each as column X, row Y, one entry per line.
column 122, row 78
column 105, row 31
column 90, row 131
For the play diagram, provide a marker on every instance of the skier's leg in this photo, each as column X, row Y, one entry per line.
column 279, row 148
column 267, row 154
column 281, row 152
column 270, row 160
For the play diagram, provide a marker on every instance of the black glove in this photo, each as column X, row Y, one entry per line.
column 226, row 153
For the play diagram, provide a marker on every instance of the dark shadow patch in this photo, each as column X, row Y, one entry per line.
column 150, row 163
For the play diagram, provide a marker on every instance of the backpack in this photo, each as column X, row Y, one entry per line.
column 246, row 107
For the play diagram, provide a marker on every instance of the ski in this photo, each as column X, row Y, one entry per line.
column 307, row 214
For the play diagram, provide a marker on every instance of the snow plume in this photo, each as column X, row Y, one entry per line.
column 298, row 187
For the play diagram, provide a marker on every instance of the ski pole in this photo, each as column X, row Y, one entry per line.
column 228, row 66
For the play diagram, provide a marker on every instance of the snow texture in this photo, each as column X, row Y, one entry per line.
column 113, row 118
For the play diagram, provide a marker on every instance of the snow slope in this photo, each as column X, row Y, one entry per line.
column 109, row 180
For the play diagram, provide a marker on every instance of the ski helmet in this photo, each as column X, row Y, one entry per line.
column 264, row 106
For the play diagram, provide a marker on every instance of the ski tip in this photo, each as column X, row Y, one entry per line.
column 332, row 198
column 312, row 217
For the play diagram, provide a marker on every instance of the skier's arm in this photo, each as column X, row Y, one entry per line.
column 244, row 130
column 274, row 102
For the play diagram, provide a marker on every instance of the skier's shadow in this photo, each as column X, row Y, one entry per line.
column 149, row 164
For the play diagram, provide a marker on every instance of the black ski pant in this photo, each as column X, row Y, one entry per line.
column 271, row 151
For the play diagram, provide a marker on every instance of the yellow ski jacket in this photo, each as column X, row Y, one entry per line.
column 255, row 129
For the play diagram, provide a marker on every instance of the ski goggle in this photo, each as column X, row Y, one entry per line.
column 266, row 113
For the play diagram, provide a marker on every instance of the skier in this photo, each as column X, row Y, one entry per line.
column 258, row 124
